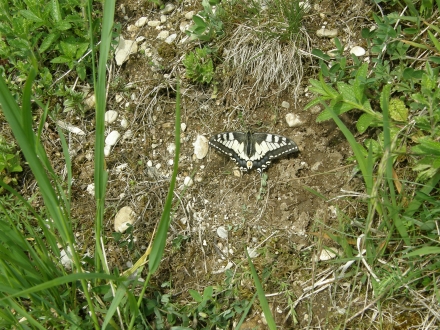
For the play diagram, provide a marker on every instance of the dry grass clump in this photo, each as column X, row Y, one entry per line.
column 263, row 60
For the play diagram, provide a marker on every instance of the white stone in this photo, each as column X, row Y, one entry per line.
column 121, row 168
column 189, row 15
column 153, row 23
column 158, row 166
column 305, row 6
column 252, row 252
column 124, row 49
column 183, row 127
column 149, row 163
column 315, row 166
column 110, row 116
column 90, row 101
column 66, row 258
column 112, row 138
column 140, row 39
column 293, row 120
column 163, row 18
column 184, row 26
column 201, row 147
column 127, row 135
column 170, row 162
column 70, row 128
column 118, row 98
column 124, row 123
column 188, row 181
column 91, row 189
column 107, row 150
column 358, row 51
column 163, row 35
column 285, row 104
column 327, row 33
column 169, row 40
column 237, row 172
column 171, row 148
column 141, row 22
column 123, row 218
column 222, row 232
column 169, row 7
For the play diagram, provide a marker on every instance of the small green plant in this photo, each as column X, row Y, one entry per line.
column 199, row 66
column 207, row 23
column 9, row 162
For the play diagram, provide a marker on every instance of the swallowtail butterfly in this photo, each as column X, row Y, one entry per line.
column 252, row 150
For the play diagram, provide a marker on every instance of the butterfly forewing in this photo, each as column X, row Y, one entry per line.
column 252, row 151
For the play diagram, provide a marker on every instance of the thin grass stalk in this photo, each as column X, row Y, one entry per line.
column 158, row 245
column 261, row 295
column 101, row 175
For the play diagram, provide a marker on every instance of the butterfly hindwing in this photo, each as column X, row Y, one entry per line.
column 252, row 151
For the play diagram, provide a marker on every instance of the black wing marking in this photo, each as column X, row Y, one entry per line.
column 250, row 151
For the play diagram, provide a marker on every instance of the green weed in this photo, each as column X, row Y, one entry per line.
column 10, row 162
column 207, row 23
column 199, row 65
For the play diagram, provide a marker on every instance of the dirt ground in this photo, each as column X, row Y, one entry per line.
column 284, row 221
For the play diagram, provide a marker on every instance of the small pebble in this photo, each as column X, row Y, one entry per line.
column 153, row 23
column 171, row 148
column 112, row 138
column 285, row 104
column 169, row 7
column 201, row 147
column 358, row 51
column 170, row 162
column 293, row 120
column 188, row 181
column 222, row 232
column 189, row 15
column 110, row 116
column 183, row 127
column 124, row 123
column 327, row 33
column 163, row 35
column 124, row 217
column 149, row 163
column 158, row 166
column 141, row 22
column 170, row 39
column 107, row 150
column 127, row 135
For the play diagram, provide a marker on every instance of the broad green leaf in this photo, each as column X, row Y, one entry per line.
column 434, row 40
column 398, row 110
column 31, row 16
column 48, row 41
column 69, row 48
column 339, row 108
column 61, row 59
column 364, row 122
column 196, row 296
column 358, row 85
column 199, row 21
column 63, row 26
column 347, row 93
column 55, row 10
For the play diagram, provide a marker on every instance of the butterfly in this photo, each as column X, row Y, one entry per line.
column 252, row 150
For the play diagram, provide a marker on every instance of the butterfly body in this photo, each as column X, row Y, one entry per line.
column 252, row 150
